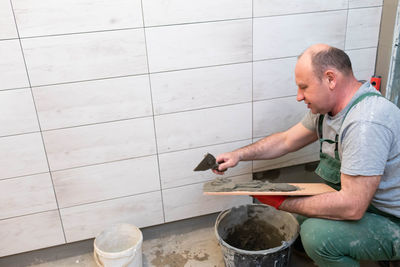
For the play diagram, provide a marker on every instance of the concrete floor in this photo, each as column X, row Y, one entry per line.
column 187, row 243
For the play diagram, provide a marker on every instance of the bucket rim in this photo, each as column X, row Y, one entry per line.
column 113, row 255
column 285, row 244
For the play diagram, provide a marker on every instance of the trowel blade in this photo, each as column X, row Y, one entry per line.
column 209, row 162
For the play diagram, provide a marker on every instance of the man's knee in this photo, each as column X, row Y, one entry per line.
column 316, row 236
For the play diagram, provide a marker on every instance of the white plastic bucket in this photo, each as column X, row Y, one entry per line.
column 119, row 246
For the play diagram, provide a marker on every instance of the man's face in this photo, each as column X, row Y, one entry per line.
column 311, row 90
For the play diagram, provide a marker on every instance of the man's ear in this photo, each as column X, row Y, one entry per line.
column 330, row 77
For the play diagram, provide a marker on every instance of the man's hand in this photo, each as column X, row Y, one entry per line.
column 226, row 160
column 274, row 201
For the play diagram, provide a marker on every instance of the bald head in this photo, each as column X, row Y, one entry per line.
column 323, row 57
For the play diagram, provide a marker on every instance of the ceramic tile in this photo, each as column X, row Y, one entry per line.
column 199, row 45
column 279, row 7
column 78, row 57
column 21, row 234
column 37, row 18
column 8, row 29
column 276, row 115
column 363, row 62
column 17, row 111
column 363, row 27
column 105, row 181
column 85, row 145
column 187, row 11
column 274, row 78
column 309, row 153
column 82, row 103
column 12, row 67
column 25, row 195
column 22, row 155
column 201, row 88
column 185, row 161
column 364, row 3
column 203, row 127
column 288, row 33
column 189, row 201
column 87, row 221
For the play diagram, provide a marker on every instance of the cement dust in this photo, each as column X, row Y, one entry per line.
column 174, row 259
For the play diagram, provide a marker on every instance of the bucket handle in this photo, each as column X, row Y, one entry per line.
column 99, row 263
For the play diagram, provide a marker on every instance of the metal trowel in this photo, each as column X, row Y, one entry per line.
column 209, row 162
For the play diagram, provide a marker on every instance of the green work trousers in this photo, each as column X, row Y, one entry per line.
column 345, row 243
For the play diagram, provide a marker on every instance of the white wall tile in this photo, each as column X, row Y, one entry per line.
column 37, row 18
column 363, row 27
column 203, row 127
column 17, row 112
column 87, row 221
column 106, row 181
column 22, row 155
column 276, row 115
column 364, row 3
column 85, row 145
column 185, row 11
column 197, row 45
column 28, row 194
column 309, row 153
column 30, row 232
column 284, row 36
column 363, row 62
column 274, row 78
column 279, row 7
column 176, row 168
column 201, row 88
column 8, row 29
column 189, row 201
column 77, row 57
column 12, row 67
column 82, row 103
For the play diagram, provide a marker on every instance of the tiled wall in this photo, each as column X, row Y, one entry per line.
column 107, row 106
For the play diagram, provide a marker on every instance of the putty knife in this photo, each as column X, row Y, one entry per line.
column 209, row 162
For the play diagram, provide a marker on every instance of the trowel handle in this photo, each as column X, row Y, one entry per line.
column 215, row 167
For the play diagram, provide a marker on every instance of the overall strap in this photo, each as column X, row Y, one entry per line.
column 359, row 99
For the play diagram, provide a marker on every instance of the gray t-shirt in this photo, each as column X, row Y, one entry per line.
column 369, row 144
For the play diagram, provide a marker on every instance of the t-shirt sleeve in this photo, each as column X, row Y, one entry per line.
column 310, row 121
column 365, row 148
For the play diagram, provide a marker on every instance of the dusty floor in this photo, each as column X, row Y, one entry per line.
column 187, row 243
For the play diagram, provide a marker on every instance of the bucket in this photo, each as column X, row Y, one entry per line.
column 119, row 246
column 256, row 235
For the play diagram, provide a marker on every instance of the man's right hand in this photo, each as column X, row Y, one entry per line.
column 226, row 160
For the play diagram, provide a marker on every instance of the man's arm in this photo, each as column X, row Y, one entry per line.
column 350, row 203
column 270, row 147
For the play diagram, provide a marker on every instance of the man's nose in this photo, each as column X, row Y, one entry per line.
column 300, row 95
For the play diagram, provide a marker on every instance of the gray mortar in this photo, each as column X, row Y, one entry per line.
column 227, row 185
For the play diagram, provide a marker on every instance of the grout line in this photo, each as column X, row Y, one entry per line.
column 38, row 121
column 154, row 120
column 29, row 214
column 207, row 180
column 345, row 29
column 252, row 78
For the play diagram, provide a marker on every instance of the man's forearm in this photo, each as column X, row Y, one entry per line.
column 269, row 147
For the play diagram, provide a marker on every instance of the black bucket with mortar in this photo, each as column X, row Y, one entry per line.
column 256, row 236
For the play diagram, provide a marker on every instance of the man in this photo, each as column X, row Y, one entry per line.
column 359, row 133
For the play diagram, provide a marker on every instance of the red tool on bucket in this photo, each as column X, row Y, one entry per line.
column 376, row 82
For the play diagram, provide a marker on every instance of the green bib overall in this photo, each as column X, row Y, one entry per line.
column 329, row 167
